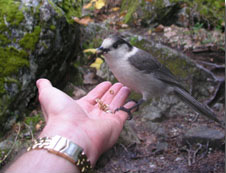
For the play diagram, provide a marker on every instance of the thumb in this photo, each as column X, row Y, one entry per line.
column 43, row 83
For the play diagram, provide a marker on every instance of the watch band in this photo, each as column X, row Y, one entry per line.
column 65, row 148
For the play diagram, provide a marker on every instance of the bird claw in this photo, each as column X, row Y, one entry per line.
column 128, row 111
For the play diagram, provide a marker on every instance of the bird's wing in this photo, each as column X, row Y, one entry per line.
column 146, row 63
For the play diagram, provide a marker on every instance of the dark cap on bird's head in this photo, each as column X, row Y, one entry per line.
column 112, row 42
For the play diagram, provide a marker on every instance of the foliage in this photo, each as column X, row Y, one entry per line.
column 97, row 4
column 211, row 12
column 32, row 121
column 70, row 7
column 208, row 12
column 133, row 5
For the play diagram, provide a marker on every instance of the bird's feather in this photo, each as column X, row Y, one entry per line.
column 148, row 64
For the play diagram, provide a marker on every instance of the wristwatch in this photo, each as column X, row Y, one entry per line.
column 65, row 148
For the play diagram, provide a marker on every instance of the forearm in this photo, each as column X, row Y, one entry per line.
column 40, row 161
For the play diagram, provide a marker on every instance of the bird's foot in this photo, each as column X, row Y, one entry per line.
column 129, row 110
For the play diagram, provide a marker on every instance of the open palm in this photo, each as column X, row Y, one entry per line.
column 82, row 120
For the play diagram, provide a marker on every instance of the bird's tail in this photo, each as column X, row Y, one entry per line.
column 199, row 107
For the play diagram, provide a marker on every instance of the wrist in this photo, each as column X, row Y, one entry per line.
column 74, row 134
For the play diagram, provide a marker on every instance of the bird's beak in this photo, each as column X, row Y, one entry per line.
column 100, row 50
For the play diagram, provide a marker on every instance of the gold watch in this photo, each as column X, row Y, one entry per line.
column 65, row 148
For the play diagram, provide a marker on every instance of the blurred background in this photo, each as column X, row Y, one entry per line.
column 56, row 39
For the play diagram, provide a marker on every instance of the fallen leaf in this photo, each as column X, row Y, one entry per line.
column 149, row 32
column 83, row 21
column 124, row 25
column 38, row 126
column 89, row 5
column 99, row 4
column 159, row 28
column 121, row 24
column 97, row 63
column 90, row 51
column 123, row 14
column 115, row 9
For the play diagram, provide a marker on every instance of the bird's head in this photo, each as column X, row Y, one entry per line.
column 114, row 46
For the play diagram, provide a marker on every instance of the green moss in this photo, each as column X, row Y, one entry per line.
column 11, row 60
column 10, row 16
column 210, row 11
column 4, row 40
column 57, row 9
column 30, row 39
column 130, row 7
column 33, row 120
column 10, row 13
column 71, row 8
column 177, row 65
column 53, row 27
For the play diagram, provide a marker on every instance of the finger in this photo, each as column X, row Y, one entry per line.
column 43, row 83
column 124, row 115
column 97, row 92
column 120, row 98
column 111, row 93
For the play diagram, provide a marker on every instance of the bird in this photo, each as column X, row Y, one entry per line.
column 143, row 73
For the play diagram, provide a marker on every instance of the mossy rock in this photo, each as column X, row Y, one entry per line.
column 150, row 12
column 37, row 39
column 207, row 12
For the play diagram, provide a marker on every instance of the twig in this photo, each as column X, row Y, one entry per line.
column 195, row 118
column 124, row 147
column 195, row 152
column 29, row 128
column 14, row 143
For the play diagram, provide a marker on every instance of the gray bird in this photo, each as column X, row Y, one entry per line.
column 141, row 72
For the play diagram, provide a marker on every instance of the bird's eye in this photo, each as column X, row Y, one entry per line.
column 115, row 45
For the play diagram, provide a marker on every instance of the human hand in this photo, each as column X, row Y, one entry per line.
column 82, row 121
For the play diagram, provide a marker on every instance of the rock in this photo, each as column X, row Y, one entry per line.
column 203, row 134
column 128, row 136
column 37, row 39
column 183, row 17
column 154, row 12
